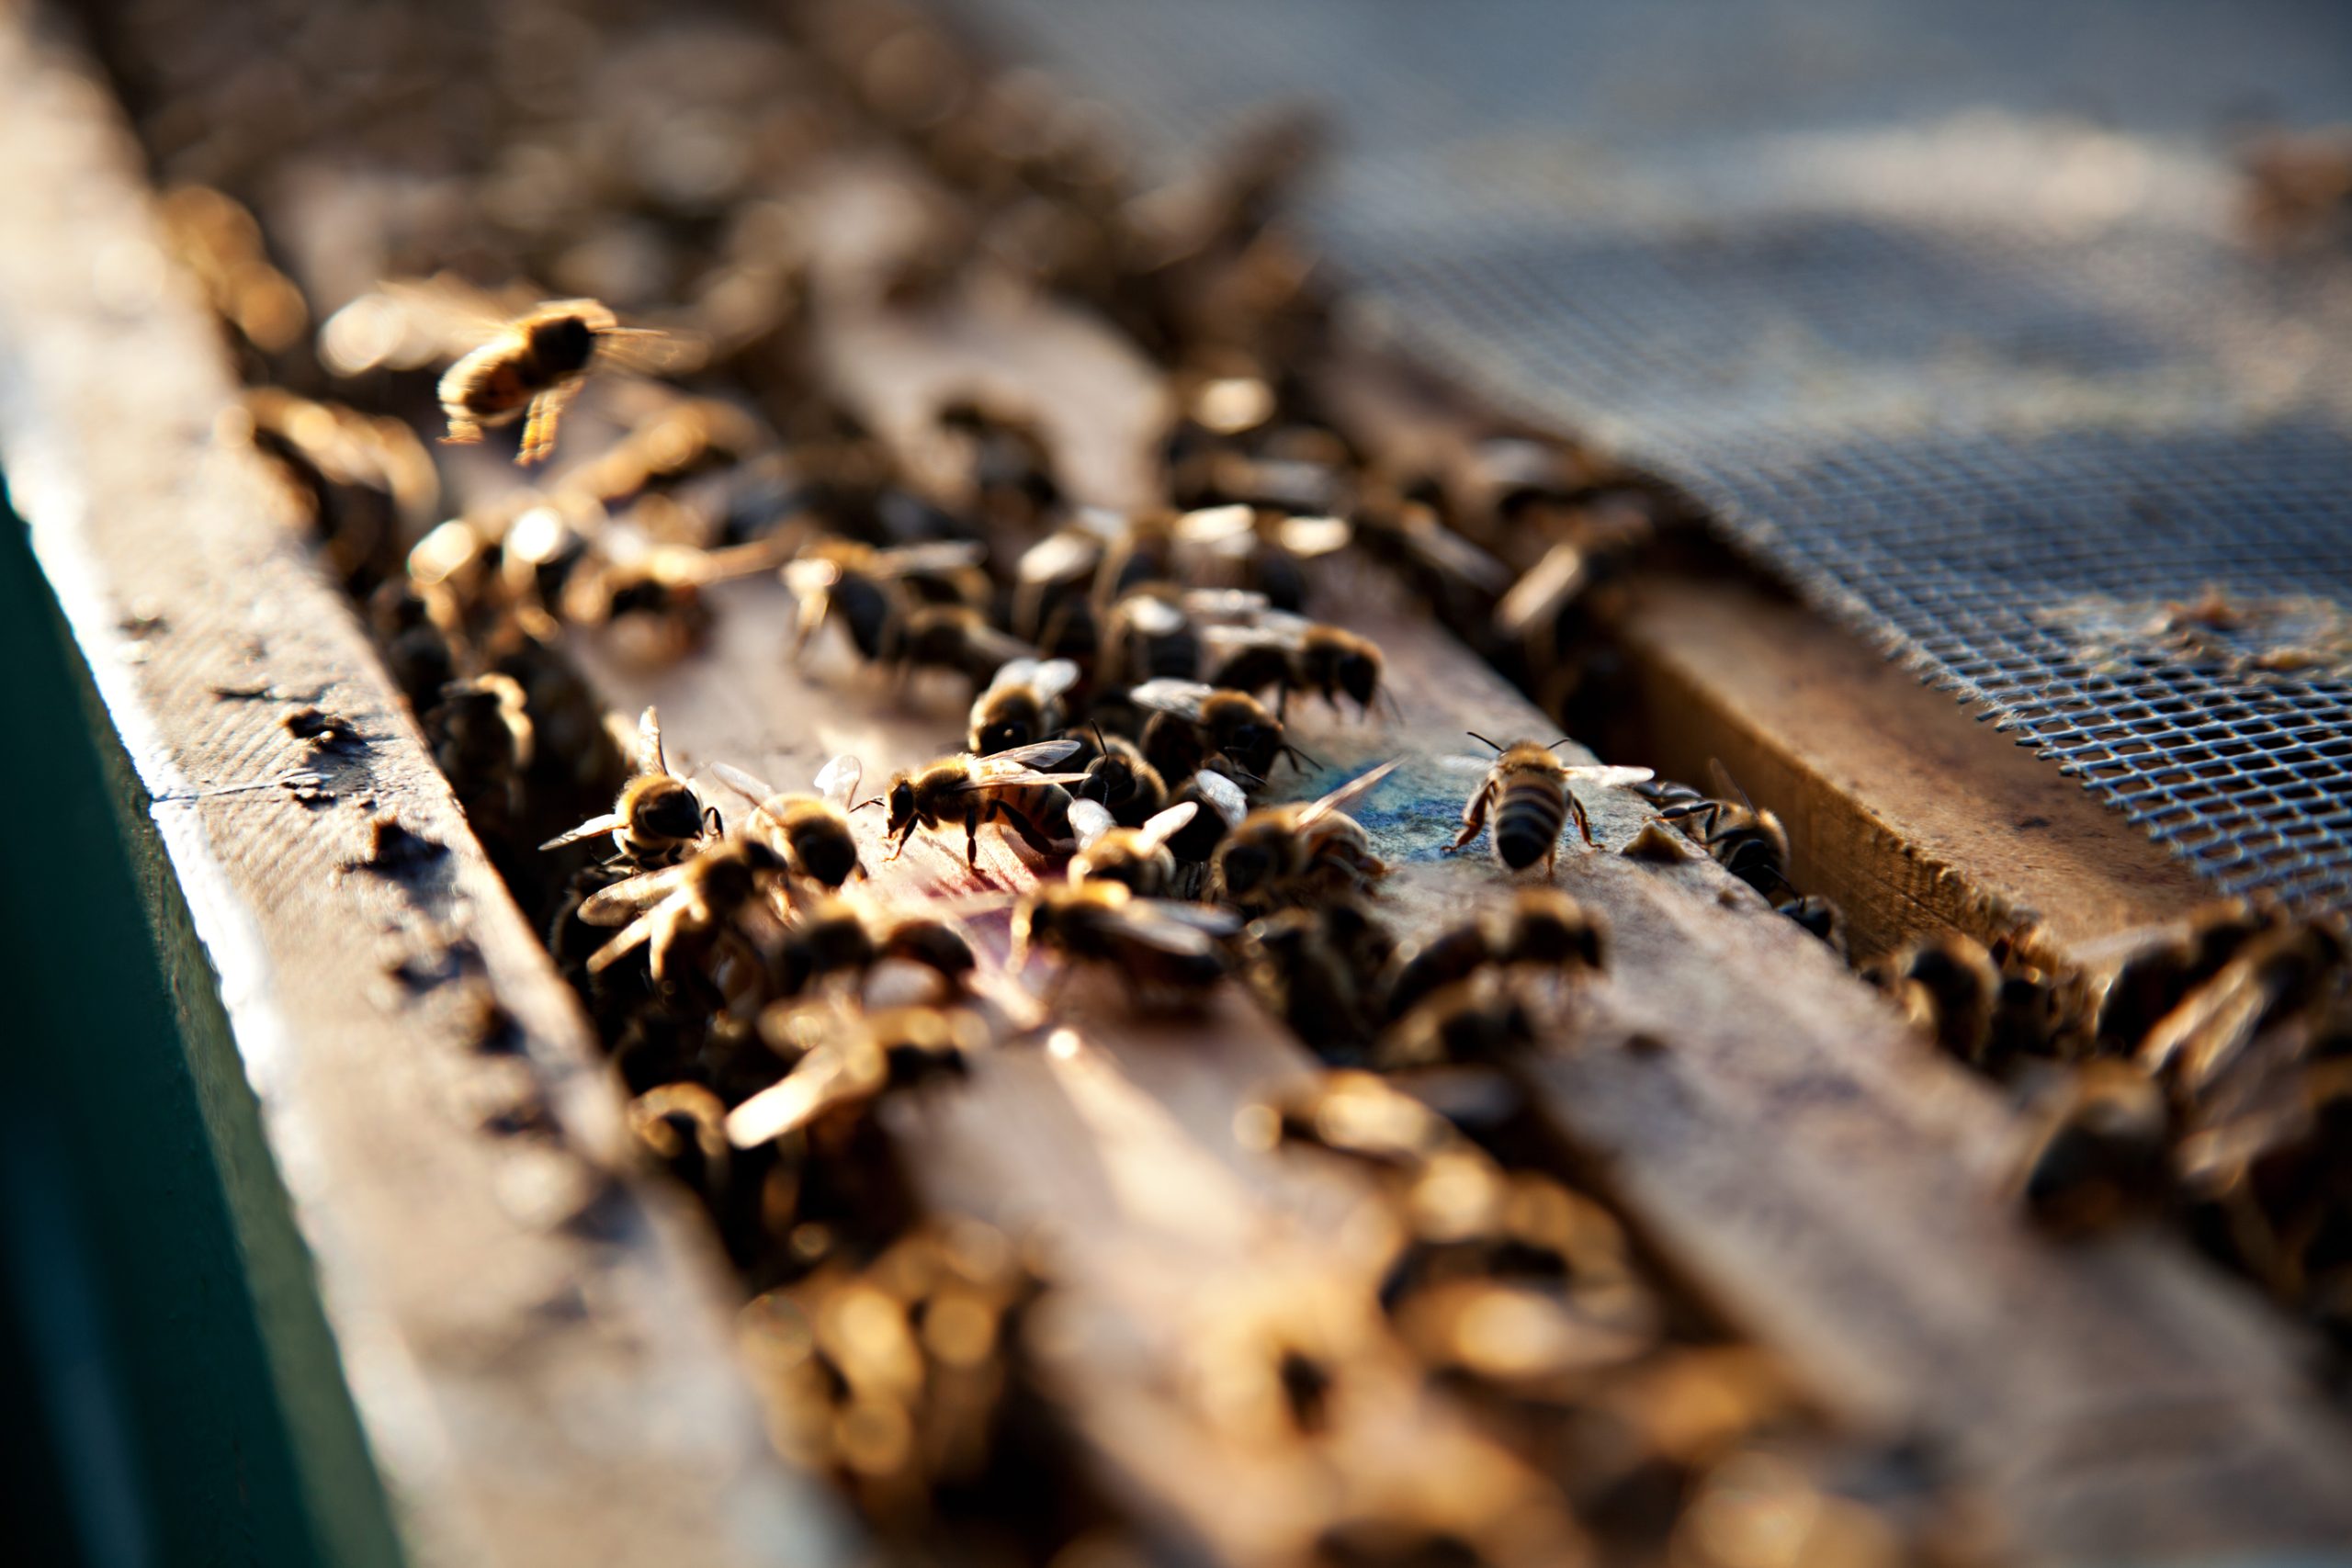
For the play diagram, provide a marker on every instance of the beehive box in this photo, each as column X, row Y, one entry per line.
column 540, row 1334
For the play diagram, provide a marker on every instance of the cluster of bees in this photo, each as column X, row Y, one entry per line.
column 2202, row 1068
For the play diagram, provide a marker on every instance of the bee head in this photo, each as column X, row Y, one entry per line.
column 902, row 802
column 1243, row 865
column 669, row 808
column 825, row 852
column 562, row 344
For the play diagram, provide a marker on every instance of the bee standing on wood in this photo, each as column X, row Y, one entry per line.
column 535, row 365
column 1139, row 857
column 1191, row 720
column 811, row 831
column 1166, row 952
column 1126, row 785
column 1308, row 854
column 658, row 819
column 1750, row 844
column 1022, row 706
column 1291, row 653
column 874, row 591
column 1527, row 789
column 685, row 911
column 970, row 790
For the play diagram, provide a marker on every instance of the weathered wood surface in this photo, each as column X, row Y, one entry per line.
column 1908, row 812
column 1833, row 1186
column 535, row 1336
column 1914, row 817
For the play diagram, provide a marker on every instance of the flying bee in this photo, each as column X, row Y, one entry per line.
column 811, row 831
column 1022, row 706
column 686, row 912
column 1124, row 783
column 1303, row 854
column 1005, row 788
column 1528, row 790
column 1167, row 951
column 1539, row 927
column 1146, row 636
column 1191, row 720
column 2098, row 1151
column 535, row 365
column 1138, row 857
column 872, row 592
column 658, row 819
column 1482, row 1019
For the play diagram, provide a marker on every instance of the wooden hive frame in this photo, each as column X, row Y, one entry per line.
column 507, row 1295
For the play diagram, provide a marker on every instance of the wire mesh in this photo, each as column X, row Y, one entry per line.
column 1947, row 316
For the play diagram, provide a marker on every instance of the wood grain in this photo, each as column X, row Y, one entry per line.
column 533, row 1339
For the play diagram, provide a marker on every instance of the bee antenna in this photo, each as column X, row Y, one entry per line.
column 1481, row 739
column 712, row 822
column 1298, row 757
column 1563, row 740
column 863, row 804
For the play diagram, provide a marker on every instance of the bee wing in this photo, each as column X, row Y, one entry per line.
column 1060, row 557
column 1229, row 639
column 633, row 936
column 1549, row 586
column 1183, row 698
column 441, row 317
column 1214, row 525
column 1161, row 826
column 1089, row 820
column 1153, row 923
column 819, row 1081
column 809, row 577
column 944, row 555
column 1610, row 778
column 1204, row 918
column 1012, row 672
column 742, row 782
column 594, row 828
column 1233, row 606
column 1725, row 786
column 650, row 756
column 1347, row 794
column 1449, row 551
column 1224, row 796
column 1011, row 777
column 748, row 560
column 649, row 351
column 1151, row 615
column 611, row 906
column 837, row 781
column 1464, row 761
column 1054, row 677
column 1036, row 754
column 1311, row 537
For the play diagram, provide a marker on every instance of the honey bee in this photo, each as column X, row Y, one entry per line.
column 1750, row 844
column 1167, row 952
column 1305, row 968
column 957, row 638
column 2098, row 1152
column 1528, row 789
column 1022, row 706
column 481, row 737
column 1818, row 918
column 811, row 831
column 1053, row 575
column 535, row 365
column 687, row 912
column 1146, row 636
column 654, row 591
column 1136, row 857
column 1259, row 549
column 837, row 938
column 1947, row 988
column 1482, row 1019
column 658, row 819
column 1191, row 720
column 1290, row 652
column 1119, row 777
column 846, row 1057
column 1539, row 927
column 1005, row 788
column 1304, row 853
column 1223, row 807
column 872, row 591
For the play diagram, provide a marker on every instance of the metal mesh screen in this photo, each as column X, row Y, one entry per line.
column 1944, row 312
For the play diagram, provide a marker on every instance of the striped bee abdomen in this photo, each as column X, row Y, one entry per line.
column 1528, row 819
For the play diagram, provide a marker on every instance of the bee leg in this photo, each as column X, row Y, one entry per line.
column 1584, row 823
column 539, row 428
column 463, row 432
column 1474, row 820
column 972, row 840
